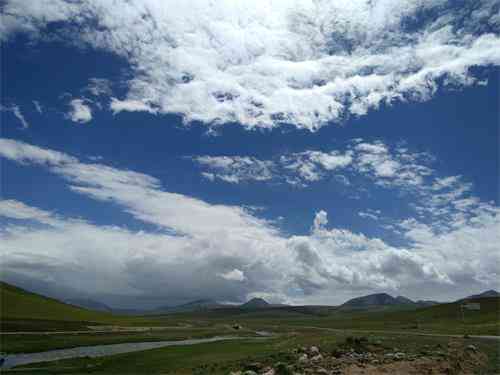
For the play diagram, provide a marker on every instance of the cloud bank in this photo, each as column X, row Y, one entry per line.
column 228, row 253
column 261, row 64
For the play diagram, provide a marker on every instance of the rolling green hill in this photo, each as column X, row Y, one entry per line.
column 25, row 311
column 442, row 318
column 19, row 306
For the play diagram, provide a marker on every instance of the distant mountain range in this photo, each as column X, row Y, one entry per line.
column 255, row 303
column 487, row 294
column 382, row 300
column 372, row 302
column 198, row 305
column 88, row 304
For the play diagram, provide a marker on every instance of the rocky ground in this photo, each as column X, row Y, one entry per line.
column 359, row 356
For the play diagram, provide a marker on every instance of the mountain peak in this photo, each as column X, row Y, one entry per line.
column 486, row 294
column 404, row 300
column 255, row 303
column 378, row 299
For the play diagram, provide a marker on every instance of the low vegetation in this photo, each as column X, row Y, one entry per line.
column 346, row 340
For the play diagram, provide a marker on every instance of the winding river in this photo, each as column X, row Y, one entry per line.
column 12, row 360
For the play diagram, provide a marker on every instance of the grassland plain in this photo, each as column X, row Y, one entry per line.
column 223, row 357
column 291, row 326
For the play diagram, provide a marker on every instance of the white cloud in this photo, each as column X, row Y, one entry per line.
column 38, row 106
column 99, row 86
column 235, row 169
column 227, row 252
column 25, row 153
column 18, row 210
column 265, row 63
column 320, row 220
column 130, row 105
column 16, row 111
column 388, row 166
column 370, row 214
column 234, row 275
column 79, row 111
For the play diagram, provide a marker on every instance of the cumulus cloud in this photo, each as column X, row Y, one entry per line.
column 227, row 252
column 265, row 63
column 79, row 111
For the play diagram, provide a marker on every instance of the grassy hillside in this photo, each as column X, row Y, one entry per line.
column 22, row 310
column 19, row 305
column 444, row 318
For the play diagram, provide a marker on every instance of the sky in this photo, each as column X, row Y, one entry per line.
column 302, row 151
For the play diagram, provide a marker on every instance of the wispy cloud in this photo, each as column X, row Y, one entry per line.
column 99, row 86
column 370, row 214
column 16, row 111
column 262, row 64
column 386, row 166
column 38, row 106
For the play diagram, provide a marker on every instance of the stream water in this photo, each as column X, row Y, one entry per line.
column 12, row 360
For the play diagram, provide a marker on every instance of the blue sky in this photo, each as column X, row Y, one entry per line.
column 232, row 168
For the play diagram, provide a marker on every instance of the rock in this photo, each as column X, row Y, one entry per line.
column 399, row 355
column 303, row 358
column 317, row 358
column 314, row 350
column 269, row 371
column 323, row 371
column 439, row 353
column 250, row 372
column 254, row 366
column 471, row 347
column 235, row 373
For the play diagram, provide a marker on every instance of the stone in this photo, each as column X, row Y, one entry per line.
column 314, row 350
column 399, row 355
column 254, row 366
column 269, row 371
column 323, row 371
column 303, row 358
column 317, row 358
column 250, row 372
column 471, row 347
